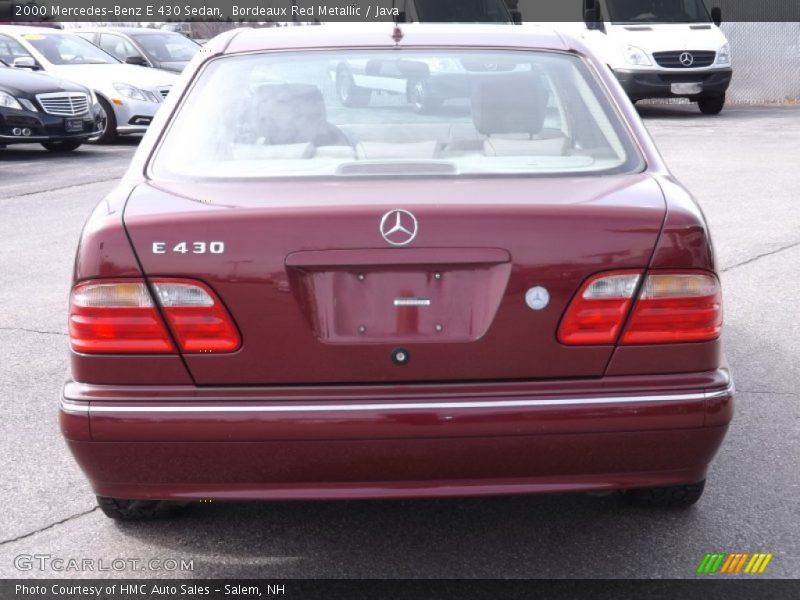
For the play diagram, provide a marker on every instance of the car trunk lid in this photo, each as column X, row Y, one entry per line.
column 321, row 296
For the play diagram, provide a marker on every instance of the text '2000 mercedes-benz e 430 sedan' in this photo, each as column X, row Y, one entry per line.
column 290, row 296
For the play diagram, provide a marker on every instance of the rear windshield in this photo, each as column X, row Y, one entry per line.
column 394, row 113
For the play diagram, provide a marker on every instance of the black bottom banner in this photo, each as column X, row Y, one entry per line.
column 419, row 589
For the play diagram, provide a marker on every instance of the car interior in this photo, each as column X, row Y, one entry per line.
column 507, row 119
column 510, row 121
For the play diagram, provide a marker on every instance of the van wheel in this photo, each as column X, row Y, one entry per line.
column 676, row 496
column 137, row 510
column 62, row 146
column 711, row 105
column 349, row 93
column 421, row 97
column 108, row 124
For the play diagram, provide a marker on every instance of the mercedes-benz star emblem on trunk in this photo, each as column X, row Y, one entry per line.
column 687, row 60
column 399, row 227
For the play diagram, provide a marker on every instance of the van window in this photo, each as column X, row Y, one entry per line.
column 657, row 11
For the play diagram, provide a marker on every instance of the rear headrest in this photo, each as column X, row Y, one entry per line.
column 509, row 104
column 290, row 113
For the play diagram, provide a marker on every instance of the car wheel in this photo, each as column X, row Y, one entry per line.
column 108, row 124
column 349, row 93
column 421, row 97
column 676, row 496
column 137, row 510
column 711, row 105
column 62, row 146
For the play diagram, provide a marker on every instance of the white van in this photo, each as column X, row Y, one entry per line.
column 662, row 48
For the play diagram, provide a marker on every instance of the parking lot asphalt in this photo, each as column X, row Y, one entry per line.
column 742, row 166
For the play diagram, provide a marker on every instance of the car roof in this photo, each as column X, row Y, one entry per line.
column 351, row 35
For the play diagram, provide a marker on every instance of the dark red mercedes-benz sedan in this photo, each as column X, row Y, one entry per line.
column 352, row 262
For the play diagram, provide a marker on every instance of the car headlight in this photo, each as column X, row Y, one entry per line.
column 724, row 55
column 636, row 56
column 8, row 101
column 130, row 91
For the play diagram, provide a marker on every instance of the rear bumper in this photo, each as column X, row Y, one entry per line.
column 658, row 84
column 396, row 441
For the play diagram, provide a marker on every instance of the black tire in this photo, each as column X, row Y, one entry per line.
column 711, row 105
column 422, row 99
column 108, row 132
column 349, row 93
column 62, row 146
column 137, row 510
column 676, row 496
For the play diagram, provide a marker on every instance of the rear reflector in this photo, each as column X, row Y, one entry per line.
column 676, row 307
column 120, row 317
column 596, row 314
column 116, row 317
column 671, row 308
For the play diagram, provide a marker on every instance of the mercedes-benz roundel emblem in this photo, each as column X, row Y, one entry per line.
column 687, row 59
column 399, row 227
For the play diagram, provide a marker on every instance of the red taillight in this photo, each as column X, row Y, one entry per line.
column 120, row 317
column 196, row 316
column 598, row 311
column 116, row 317
column 676, row 307
column 671, row 308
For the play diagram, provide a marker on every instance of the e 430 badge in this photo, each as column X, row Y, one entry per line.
column 189, row 248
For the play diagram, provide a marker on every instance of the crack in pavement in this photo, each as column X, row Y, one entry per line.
column 39, row 331
column 50, row 526
column 56, row 189
column 760, row 256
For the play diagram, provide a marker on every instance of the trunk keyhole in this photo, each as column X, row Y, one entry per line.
column 400, row 356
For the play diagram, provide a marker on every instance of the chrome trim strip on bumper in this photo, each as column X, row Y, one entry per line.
column 43, row 138
column 728, row 391
column 84, row 408
column 74, row 408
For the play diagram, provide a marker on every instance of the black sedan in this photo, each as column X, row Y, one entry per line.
column 36, row 108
